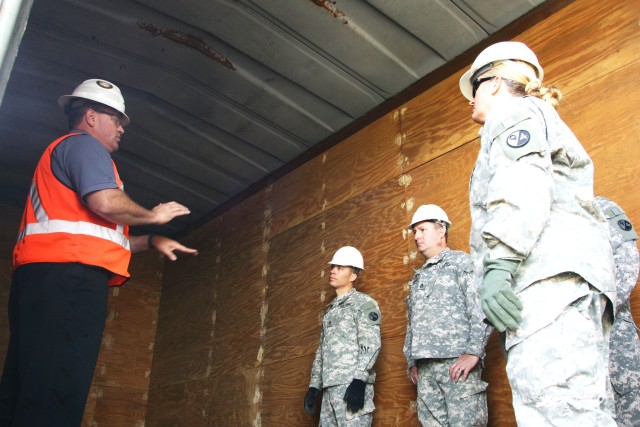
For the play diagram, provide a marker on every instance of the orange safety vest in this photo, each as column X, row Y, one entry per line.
column 57, row 227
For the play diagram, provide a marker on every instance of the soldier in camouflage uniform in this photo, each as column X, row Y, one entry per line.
column 349, row 346
column 539, row 244
column 624, row 345
column 446, row 336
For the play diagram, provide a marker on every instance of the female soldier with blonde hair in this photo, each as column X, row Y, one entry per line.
column 539, row 244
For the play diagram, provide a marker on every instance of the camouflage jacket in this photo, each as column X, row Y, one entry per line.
column 349, row 341
column 531, row 199
column 444, row 312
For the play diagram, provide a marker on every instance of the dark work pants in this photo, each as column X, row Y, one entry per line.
column 57, row 313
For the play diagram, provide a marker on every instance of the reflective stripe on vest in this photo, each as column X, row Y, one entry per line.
column 44, row 225
column 86, row 228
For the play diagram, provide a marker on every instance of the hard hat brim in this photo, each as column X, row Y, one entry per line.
column 64, row 100
column 465, row 85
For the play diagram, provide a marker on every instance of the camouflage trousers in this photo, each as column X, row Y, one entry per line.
column 559, row 373
column 624, row 367
column 628, row 408
column 333, row 412
column 441, row 402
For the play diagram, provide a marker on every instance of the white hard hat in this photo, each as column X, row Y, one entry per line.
column 497, row 52
column 348, row 256
column 100, row 91
column 429, row 213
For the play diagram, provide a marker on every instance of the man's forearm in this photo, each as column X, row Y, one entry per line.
column 114, row 205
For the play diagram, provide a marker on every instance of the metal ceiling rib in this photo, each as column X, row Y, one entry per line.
column 223, row 93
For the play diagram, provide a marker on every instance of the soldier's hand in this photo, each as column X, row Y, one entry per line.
column 354, row 396
column 460, row 369
column 500, row 304
column 412, row 374
column 310, row 400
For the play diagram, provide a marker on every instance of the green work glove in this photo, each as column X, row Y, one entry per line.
column 500, row 304
column 310, row 400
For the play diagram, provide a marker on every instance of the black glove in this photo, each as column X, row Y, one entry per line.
column 354, row 396
column 310, row 400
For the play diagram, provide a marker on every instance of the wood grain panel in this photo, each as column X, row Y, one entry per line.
column 146, row 271
column 184, row 338
column 126, row 352
column 436, row 122
column 610, row 133
column 223, row 289
column 369, row 221
column 387, row 282
column 237, row 336
column 116, row 407
column 231, row 399
column 226, row 400
column 240, row 287
column 283, row 390
column 241, row 250
column 298, row 290
column 635, row 304
column 166, row 406
column 444, row 182
column 363, row 161
column 296, row 197
column 395, row 395
column 586, row 41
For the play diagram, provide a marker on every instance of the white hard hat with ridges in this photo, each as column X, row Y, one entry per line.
column 100, row 91
column 348, row 256
column 501, row 51
column 429, row 213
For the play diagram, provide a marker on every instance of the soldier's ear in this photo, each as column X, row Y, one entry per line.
column 353, row 276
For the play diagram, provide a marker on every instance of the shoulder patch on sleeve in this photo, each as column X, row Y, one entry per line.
column 371, row 312
column 619, row 222
column 521, row 139
column 518, row 131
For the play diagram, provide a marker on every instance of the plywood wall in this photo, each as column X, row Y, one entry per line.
column 239, row 325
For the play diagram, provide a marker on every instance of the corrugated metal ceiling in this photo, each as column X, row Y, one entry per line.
column 223, row 93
